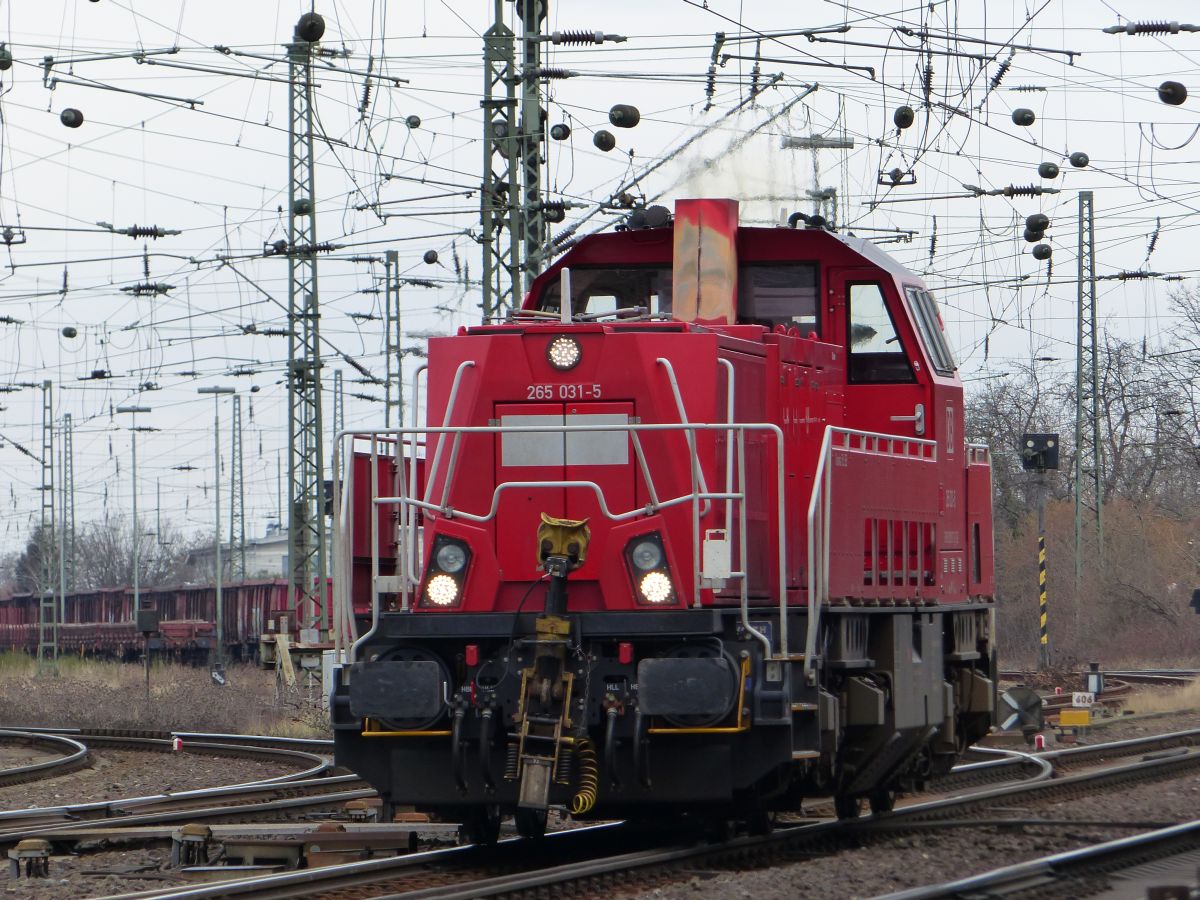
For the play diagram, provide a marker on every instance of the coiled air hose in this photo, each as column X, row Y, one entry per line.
column 589, row 777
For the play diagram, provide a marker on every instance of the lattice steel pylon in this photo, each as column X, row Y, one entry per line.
column 67, row 493
column 237, row 497
column 499, row 200
column 306, row 520
column 1089, row 452
column 48, row 616
column 532, row 131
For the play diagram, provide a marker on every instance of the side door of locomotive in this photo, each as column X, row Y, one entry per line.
column 888, row 389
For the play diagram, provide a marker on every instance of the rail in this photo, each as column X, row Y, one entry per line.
column 445, row 465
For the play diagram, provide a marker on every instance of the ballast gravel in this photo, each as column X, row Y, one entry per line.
column 890, row 863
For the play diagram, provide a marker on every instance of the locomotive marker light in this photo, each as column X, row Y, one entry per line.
column 648, row 566
column 446, row 575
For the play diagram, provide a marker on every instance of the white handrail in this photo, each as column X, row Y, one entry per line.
column 698, row 493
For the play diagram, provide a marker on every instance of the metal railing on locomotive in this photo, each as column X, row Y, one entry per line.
column 820, row 516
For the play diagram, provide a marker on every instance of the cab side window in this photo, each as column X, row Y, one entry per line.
column 876, row 354
column 774, row 294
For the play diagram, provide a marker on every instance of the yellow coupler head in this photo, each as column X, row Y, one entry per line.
column 563, row 537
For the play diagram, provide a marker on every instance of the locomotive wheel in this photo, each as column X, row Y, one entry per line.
column 481, row 825
column 883, row 800
column 531, row 823
column 846, row 807
column 759, row 824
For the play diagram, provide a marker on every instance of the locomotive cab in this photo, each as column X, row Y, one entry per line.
column 709, row 540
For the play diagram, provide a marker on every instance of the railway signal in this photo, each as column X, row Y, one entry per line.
column 1039, row 452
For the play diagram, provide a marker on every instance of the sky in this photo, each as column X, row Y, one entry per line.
column 189, row 138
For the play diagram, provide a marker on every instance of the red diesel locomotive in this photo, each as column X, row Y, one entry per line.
column 707, row 541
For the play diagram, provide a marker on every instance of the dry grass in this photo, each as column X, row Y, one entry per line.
column 91, row 694
column 1156, row 700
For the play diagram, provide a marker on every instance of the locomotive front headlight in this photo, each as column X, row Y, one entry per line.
column 655, row 587
column 451, row 558
column 442, row 590
column 646, row 555
column 564, row 353
column 646, row 558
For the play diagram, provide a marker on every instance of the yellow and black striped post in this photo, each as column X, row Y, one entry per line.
column 1043, row 635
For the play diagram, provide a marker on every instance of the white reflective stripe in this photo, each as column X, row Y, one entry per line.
column 531, row 448
column 598, row 448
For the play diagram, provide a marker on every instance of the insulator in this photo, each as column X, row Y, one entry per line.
column 548, row 72
column 1028, row 88
column 903, row 117
column 560, row 132
column 1037, row 222
column 144, row 231
column 554, row 211
column 1001, row 71
column 1149, row 28
column 310, row 28
column 927, row 80
column 430, row 257
column 567, row 234
column 1172, row 93
column 1079, row 159
column 6, row 59
column 1023, row 117
column 365, row 103
column 604, row 140
column 1031, row 236
column 413, row 121
column 623, row 115
column 1048, row 170
column 1041, row 251
column 71, row 117
column 1022, row 190
column 1154, row 236
column 710, row 86
column 933, row 240
column 577, row 37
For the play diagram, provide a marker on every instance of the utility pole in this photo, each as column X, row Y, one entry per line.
column 499, row 200
column 532, row 132
column 306, row 468
column 67, row 510
column 392, row 332
column 1089, row 453
column 339, row 402
column 137, row 531
column 218, row 574
column 48, row 615
column 237, row 498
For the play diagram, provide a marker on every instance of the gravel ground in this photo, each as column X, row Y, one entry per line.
column 903, row 861
column 115, row 774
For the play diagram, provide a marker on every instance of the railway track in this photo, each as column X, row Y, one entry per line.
column 420, row 876
column 1080, row 873
column 71, row 756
